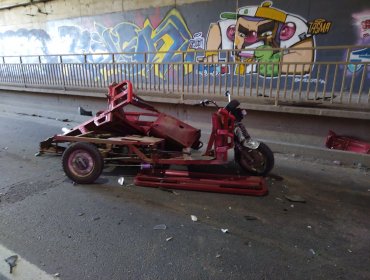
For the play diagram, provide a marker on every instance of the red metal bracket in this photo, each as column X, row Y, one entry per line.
column 345, row 143
column 197, row 181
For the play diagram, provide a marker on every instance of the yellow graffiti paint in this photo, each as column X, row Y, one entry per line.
column 265, row 11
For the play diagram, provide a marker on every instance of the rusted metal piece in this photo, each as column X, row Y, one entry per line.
column 346, row 143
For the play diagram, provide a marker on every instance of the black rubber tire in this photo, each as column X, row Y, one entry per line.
column 82, row 163
column 232, row 105
column 262, row 156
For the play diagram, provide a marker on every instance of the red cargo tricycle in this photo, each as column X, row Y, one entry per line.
column 146, row 136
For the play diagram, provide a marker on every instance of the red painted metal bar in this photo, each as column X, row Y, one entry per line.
column 208, row 182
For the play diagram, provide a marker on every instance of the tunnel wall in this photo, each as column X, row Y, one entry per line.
column 153, row 33
column 77, row 26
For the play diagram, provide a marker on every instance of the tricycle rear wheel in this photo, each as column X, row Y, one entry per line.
column 82, row 162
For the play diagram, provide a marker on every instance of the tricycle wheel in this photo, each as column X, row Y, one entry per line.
column 82, row 162
column 258, row 162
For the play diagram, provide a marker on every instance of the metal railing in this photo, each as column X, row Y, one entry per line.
column 326, row 80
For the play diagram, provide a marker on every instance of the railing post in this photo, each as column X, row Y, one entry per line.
column 23, row 76
column 183, row 76
column 62, row 70
column 279, row 77
column 114, row 68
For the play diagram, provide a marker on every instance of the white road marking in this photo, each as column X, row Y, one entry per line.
column 24, row 269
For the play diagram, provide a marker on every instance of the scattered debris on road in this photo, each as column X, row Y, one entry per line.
column 346, row 143
column 121, row 181
column 250, row 218
column 295, row 198
column 169, row 238
column 312, row 252
column 225, row 230
column 12, row 262
column 160, row 227
column 194, row 218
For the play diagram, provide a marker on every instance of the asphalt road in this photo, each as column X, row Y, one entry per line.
column 106, row 231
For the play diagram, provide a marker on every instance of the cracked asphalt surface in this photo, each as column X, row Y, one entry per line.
column 105, row 230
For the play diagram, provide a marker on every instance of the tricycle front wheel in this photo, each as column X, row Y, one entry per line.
column 257, row 162
column 82, row 162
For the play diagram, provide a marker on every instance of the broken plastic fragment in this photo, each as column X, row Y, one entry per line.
column 312, row 252
column 38, row 154
column 224, row 230
column 56, row 274
column 169, row 238
column 295, row 198
column 12, row 262
column 193, row 218
column 121, row 181
column 161, row 226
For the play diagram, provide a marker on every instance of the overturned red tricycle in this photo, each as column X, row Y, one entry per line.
column 131, row 131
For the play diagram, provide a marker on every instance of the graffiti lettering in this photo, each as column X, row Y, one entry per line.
column 362, row 24
column 307, row 80
column 319, row 26
column 197, row 42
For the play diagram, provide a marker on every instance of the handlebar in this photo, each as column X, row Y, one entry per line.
column 206, row 102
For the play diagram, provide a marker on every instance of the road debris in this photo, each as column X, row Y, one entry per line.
column 56, row 274
column 225, row 230
column 312, row 252
column 121, row 181
column 81, row 214
column 275, row 177
column 169, row 238
column 337, row 162
column 309, row 227
column 218, row 255
column 12, row 262
column 194, row 218
column 295, row 198
column 96, row 218
column 38, row 154
column 250, row 218
column 166, row 190
column 160, row 227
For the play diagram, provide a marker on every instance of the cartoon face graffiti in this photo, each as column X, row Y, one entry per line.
column 251, row 33
column 253, row 30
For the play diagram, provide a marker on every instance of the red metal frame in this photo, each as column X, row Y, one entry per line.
column 128, row 129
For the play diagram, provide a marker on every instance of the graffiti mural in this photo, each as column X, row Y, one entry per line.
column 254, row 30
column 362, row 24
